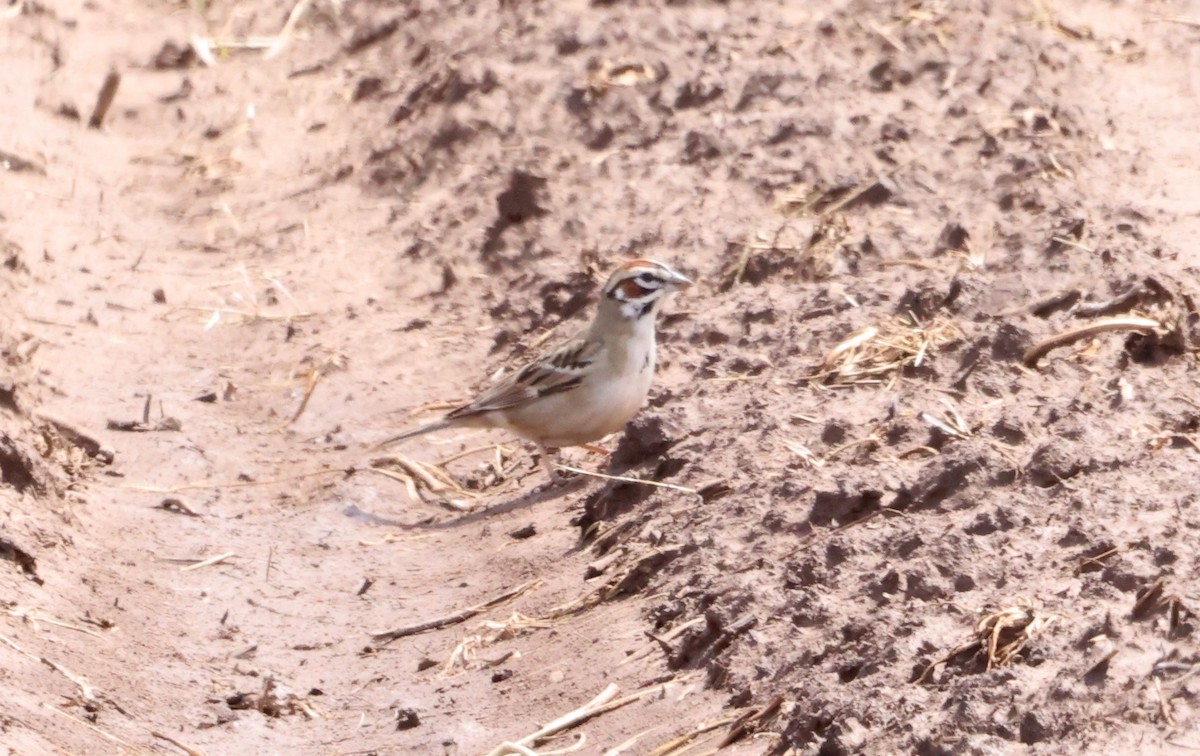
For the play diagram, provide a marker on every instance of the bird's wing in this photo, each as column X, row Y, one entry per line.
column 560, row 369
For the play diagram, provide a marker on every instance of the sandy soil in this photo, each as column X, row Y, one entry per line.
column 893, row 528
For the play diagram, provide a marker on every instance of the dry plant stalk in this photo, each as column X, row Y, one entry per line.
column 461, row 616
column 1000, row 636
column 876, row 351
column 1103, row 325
column 601, row 704
column 490, row 632
column 1004, row 634
column 417, row 476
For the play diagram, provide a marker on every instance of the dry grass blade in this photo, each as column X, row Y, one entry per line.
column 804, row 453
column 952, row 424
column 876, row 351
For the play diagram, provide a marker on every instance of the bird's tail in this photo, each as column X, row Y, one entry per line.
column 430, row 428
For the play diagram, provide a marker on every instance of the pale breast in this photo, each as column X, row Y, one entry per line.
column 598, row 407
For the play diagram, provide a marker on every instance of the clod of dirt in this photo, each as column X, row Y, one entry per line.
column 8, row 395
column 562, row 300
column 885, row 76
column 22, row 558
column 697, row 93
column 84, row 441
column 1069, row 232
column 273, row 700
column 520, row 534
column 1053, row 462
column 1034, row 728
column 952, row 237
column 698, row 147
column 842, row 506
column 713, row 490
column 406, row 719
column 949, row 477
column 365, row 36
column 16, row 467
column 173, row 56
column 646, row 437
column 11, row 252
column 366, row 87
column 700, row 648
column 518, row 203
column 1010, row 342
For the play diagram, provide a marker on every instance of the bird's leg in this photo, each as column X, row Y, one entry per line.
column 546, row 456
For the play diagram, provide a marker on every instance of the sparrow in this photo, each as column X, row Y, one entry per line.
column 586, row 387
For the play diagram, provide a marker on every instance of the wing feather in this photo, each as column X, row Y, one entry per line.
column 560, row 369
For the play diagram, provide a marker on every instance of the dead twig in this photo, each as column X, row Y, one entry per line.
column 1040, row 349
column 1124, row 301
column 103, row 733
column 10, row 161
column 176, row 505
column 452, row 619
column 207, row 485
column 84, row 686
column 289, row 26
column 208, row 562
column 1182, row 20
column 751, row 722
column 186, row 749
column 34, row 617
column 310, row 385
column 587, row 711
column 624, row 479
column 601, row 704
column 661, row 641
column 674, row 745
column 108, row 91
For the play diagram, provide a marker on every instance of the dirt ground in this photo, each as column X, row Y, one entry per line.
column 891, row 526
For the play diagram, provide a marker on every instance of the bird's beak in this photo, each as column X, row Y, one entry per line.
column 680, row 282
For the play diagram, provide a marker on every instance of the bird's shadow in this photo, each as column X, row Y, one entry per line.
column 544, row 492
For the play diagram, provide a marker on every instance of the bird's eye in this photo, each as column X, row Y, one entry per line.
column 648, row 280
